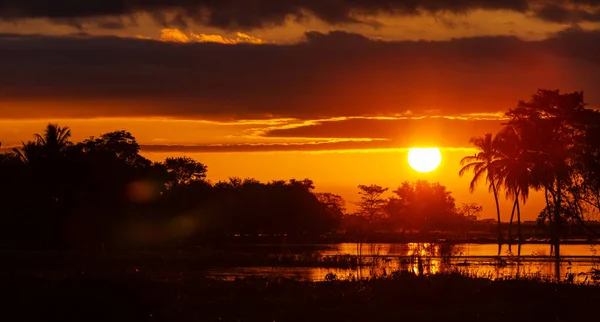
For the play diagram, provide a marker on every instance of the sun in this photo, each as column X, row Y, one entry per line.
column 424, row 159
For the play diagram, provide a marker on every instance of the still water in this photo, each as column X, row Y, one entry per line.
column 577, row 262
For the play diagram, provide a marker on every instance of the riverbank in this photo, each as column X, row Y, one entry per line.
column 401, row 296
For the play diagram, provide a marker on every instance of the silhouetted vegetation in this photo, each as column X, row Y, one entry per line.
column 402, row 295
column 61, row 194
column 551, row 144
column 102, row 192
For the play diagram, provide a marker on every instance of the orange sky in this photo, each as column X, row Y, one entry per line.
column 342, row 171
column 335, row 91
column 334, row 170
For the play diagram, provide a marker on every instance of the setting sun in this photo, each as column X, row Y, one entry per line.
column 424, row 159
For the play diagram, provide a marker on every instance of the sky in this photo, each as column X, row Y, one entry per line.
column 332, row 90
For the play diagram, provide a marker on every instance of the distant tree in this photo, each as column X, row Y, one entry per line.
column 231, row 183
column 120, row 144
column 184, row 171
column 49, row 145
column 470, row 211
column 483, row 166
column 398, row 207
column 333, row 203
column 55, row 138
column 305, row 183
column 424, row 206
column 371, row 201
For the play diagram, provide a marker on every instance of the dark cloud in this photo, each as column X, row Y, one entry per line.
column 360, row 133
column 249, row 14
column 111, row 25
column 252, row 13
column 336, row 74
column 561, row 14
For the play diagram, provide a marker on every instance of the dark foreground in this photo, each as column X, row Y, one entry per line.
column 402, row 296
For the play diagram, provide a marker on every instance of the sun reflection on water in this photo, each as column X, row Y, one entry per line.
column 475, row 260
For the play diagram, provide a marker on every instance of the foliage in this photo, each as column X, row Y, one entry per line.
column 550, row 143
column 482, row 164
column 470, row 211
column 371, row 201
column 61, row 194
column 143, row 297
column 423, row 206
column 184, row 171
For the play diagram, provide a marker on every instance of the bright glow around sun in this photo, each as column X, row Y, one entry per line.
column 424, row 159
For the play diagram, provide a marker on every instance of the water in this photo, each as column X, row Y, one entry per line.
column 477, row 260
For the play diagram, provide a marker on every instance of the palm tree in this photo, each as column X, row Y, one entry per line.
column 55, row 138
column 52, row 142
column 483, row 165
column 513, row 172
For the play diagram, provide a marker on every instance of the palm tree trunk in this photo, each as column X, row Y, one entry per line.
column 519, row 223
column 512, row 215
column 497, row 213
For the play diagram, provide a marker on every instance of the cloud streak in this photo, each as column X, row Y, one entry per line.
column 176, row 35
column 250, row 14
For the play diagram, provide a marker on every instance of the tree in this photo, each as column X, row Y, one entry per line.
column 55, row 138
column 549, row 125
column 51, row 144
column 334, row 204
column 304, row 184
column 184, row 171
column 424, row 206
column 470, row 211
column 514, row 171
column 371, row 200
column 119, row 144
column 483, row 166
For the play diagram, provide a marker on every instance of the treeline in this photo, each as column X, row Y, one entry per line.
column 420, row 206
column 56, row 193
column 59, row 194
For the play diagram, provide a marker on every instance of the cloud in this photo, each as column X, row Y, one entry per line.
column 272, row 147
column 327, row 75
column 249, row 14
column 176, row 35
column 568, row 14
column 399, row 132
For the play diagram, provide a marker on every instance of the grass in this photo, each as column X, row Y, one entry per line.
column 400, row 296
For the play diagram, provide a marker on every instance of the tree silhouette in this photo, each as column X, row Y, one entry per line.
column 55, row 138
column 371, row 200
column 470, row 211
column 483, row 166
column 334, row 204
column 184, row 171
column 424, row 206
column 121, row 145
column 549, row 143
column 547, row 128
column 514, row 172
column 49, row 145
